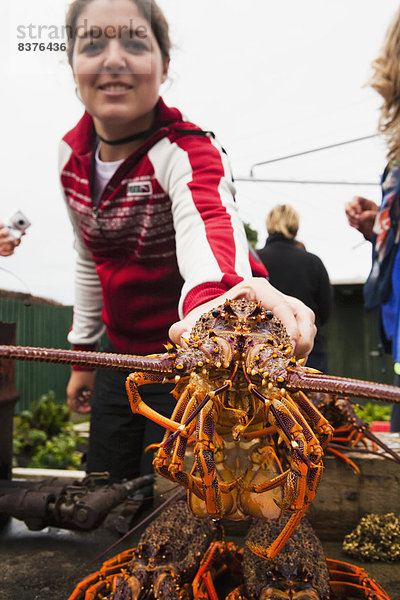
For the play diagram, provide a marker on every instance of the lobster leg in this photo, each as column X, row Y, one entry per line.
column 220, row 558
column 346, row 459
column 89, row 588
column 138, row 406
column 204, row 453
column 203, row 586
column 119, row 559
column 268, row 485
column 280, row 541
column 162, row 459
column 178, row 455
column 313, row 445
column 302, row 481
column 194, row 414
column 320, row 423
column 84, row 585
column 347, row 579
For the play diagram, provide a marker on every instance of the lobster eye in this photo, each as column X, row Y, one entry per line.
column 269, row 314
column 216, row 312
column 269, row 575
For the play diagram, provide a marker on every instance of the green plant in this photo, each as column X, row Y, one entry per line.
column 44, row 437
column 251, row 234
column 58, row 453
column 373, row 412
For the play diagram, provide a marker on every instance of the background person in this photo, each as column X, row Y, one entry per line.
column 381, row 225
column 296, row 272
column 8, row 242
column 158, row 236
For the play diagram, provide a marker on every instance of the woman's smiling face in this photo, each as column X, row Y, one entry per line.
column 117, row 66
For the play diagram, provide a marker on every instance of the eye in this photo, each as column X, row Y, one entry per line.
column 92, row 47
column 135, row 46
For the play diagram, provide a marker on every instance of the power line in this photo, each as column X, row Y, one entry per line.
column 315, row 182
column 272, row 160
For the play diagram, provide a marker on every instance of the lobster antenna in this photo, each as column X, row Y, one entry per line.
column 158, row 363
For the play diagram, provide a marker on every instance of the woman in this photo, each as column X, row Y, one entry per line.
column 381, row 225
column 294, row 271
column 158, row 236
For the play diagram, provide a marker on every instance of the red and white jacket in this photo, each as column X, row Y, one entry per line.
column 165, row 237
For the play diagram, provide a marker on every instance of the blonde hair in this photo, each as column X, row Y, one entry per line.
column 283, row 219
column 386, row 81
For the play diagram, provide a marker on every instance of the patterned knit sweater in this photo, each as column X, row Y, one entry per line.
column 165, row 237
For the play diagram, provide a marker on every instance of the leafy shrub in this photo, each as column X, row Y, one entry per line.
column 44, row 437
column 373, row 412
column 251, row 234
column 58, row 453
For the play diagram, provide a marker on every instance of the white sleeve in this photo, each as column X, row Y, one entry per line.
column 87, row 325
column 211, row 243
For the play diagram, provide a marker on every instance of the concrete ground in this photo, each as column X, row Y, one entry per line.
column 46, row 565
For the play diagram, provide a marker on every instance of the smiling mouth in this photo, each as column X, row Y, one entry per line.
column 115, row 87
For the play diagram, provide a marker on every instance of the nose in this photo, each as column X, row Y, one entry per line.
column 114, row 59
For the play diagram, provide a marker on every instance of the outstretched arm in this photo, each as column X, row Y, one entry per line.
column 296, row 316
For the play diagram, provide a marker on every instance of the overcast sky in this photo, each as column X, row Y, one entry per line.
column 269, row 78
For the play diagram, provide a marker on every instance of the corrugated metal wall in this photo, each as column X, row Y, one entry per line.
column 351, row 334
column 38, row 324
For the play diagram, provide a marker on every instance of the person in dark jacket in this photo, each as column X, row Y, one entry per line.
column 298, row 273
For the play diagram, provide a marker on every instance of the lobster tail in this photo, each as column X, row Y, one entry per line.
column 157, row 363
column 317, row 382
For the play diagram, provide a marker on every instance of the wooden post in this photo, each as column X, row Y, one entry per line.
column 8, row 399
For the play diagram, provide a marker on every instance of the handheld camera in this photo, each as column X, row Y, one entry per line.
column 18, row 224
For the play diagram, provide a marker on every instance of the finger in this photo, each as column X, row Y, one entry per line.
column 80, row 401
column 179, row 332
column 299, row 322
column 181, row 329
column 298, row 319
column 78, row 407
column 5, row 236
column 6, row 250
column 83, row 410
column 306, row 329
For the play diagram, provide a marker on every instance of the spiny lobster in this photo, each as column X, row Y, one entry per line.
column 182, row 557
column 351, row 432
column 241, row 401
column 162, row 566
column 300, row 572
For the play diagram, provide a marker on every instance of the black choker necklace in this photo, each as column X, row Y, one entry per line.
column 129, row 138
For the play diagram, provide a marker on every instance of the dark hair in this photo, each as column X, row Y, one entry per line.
column 149, row 9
